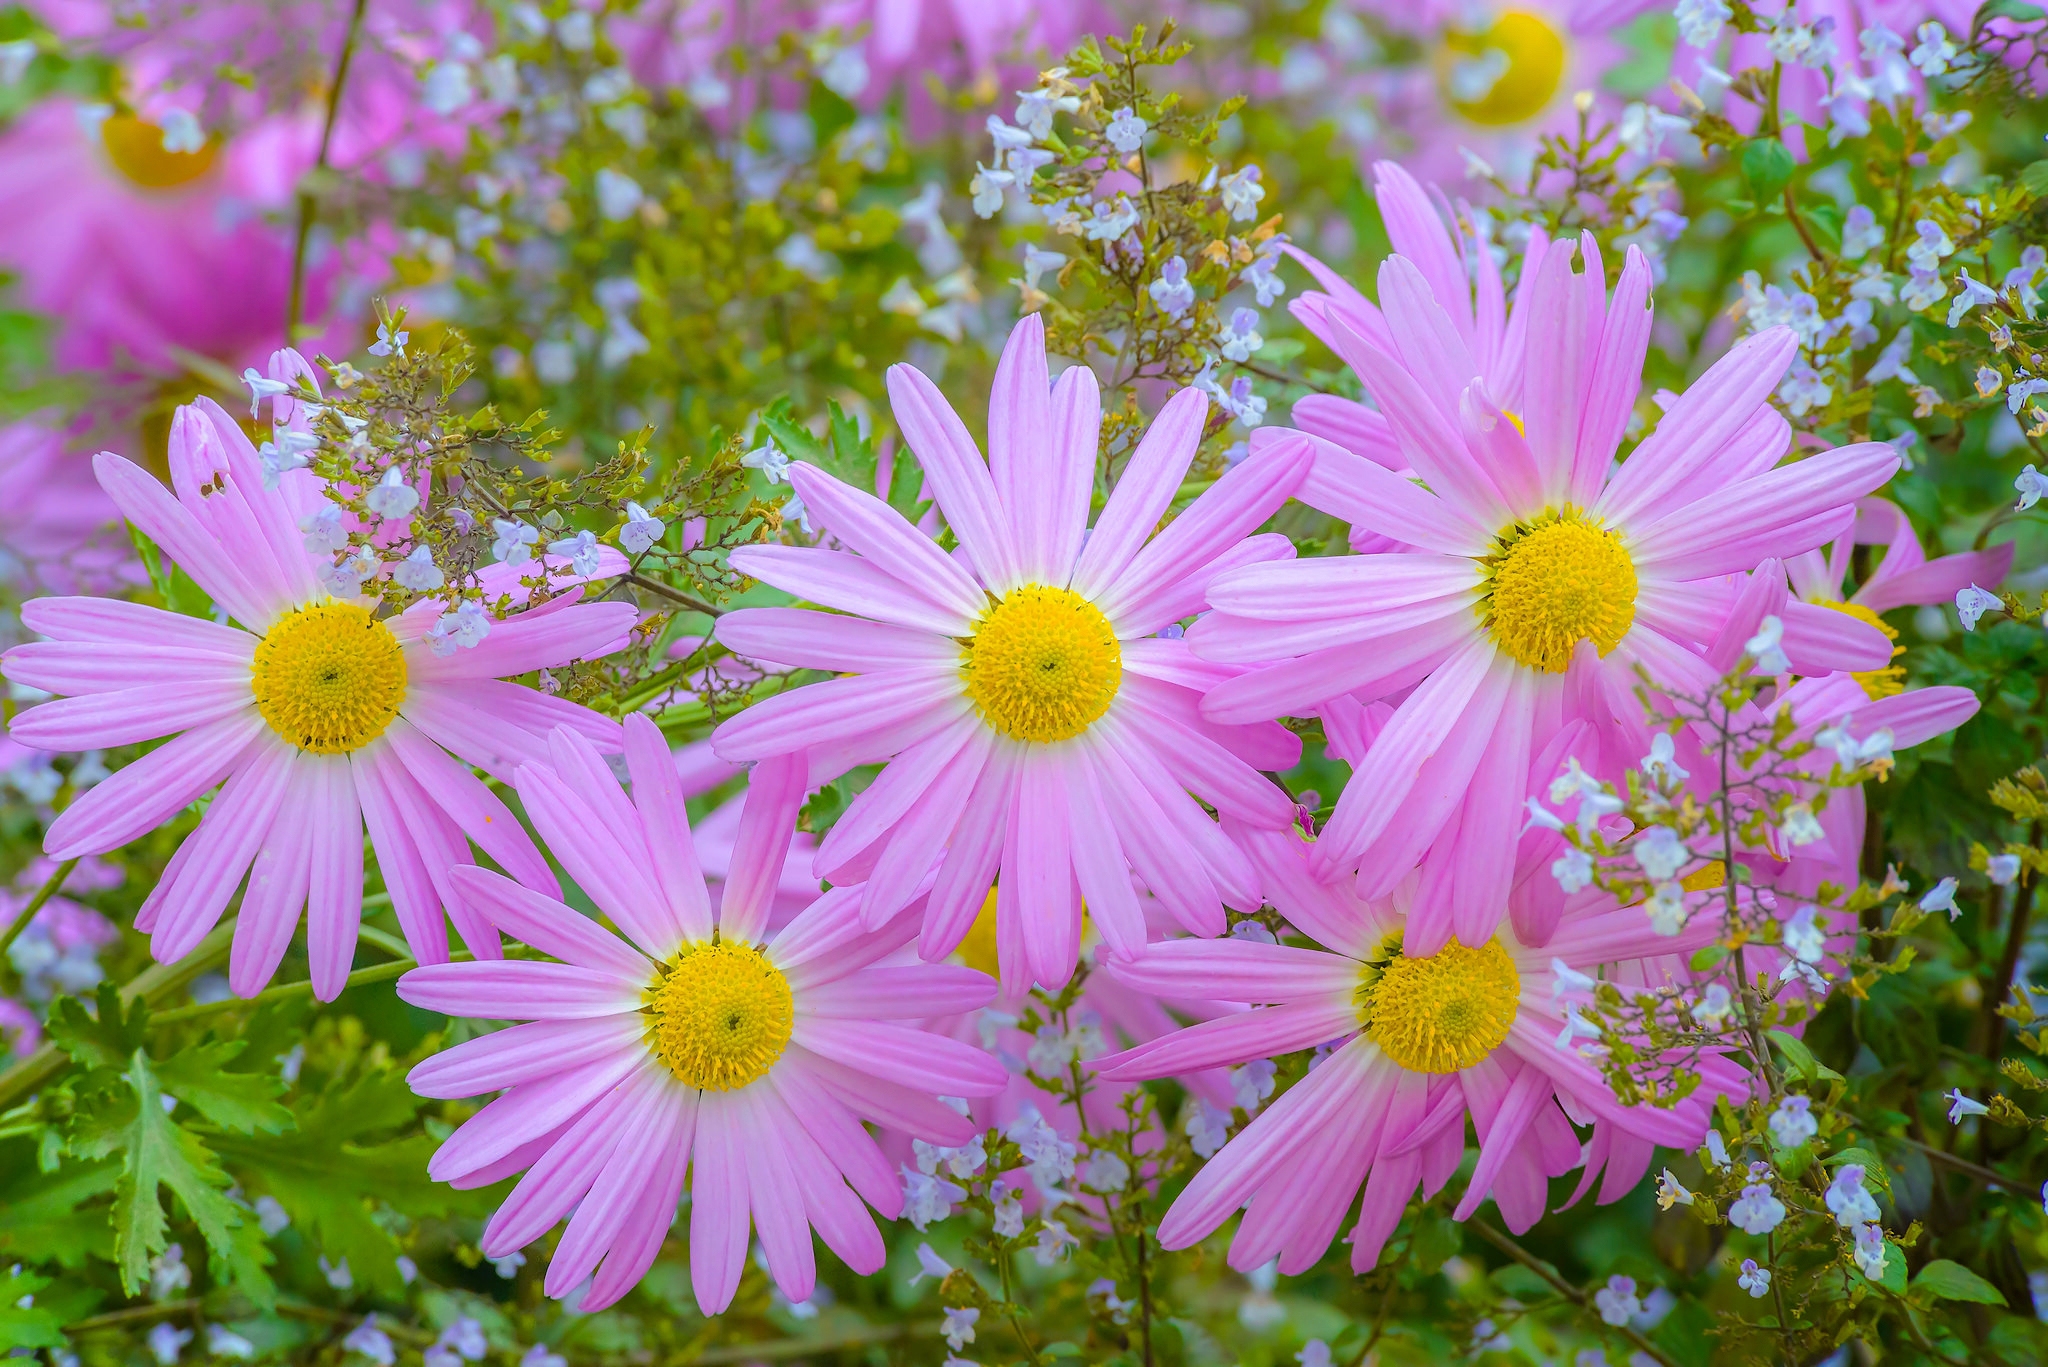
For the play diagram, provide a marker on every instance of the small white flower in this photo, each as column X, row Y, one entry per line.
column 515, row 541
column 337, row 1274
column 2031, row 485
column 1252, row 1084
column 1700, row 21
column 2002, row 868
column 1792, row 1123
column 461, row 629
column 1942, row 897
column 169, row 1273
column 1037, row 263
column 619, row 196
column 1717, row 1150
column 1171, row 291
column 223, row 1342
column 1801, row 826
column 1009, row 1211
column 1662, row 762
column 1666, row 909
column 989, row 185
column 166, row 1341
column 1617, row 1301
column 959, row 1326
column 1974, row 293
column 181, row 132
column 509, row 1265
column 345, row 579
column 389, row 342
column 1861, row 233
column 539, row 1356
column 1035, row 109
column 1804, row 936
column 1848, row 1199
column 1973, row 602
column 1126, row 131
column 1755, row 1280
column 271, row 1217
column 1671, row 1192
column 1055, row 1241
column 1110, row 219
column 391, row 496
column 927, row 1198
column 1241, row 193
column 1756, row 1211
column 370, row 1341
column 447, row 88
column 1935, row 51
column 641, row 530
column 418, row 571
column 1660, row 853
column 1573, row 869
column 1960, row 1106
column 262, row 387
column 1104, row 1172
column 581, row 551
column 15, row 58
column 1714, row 1005
column 1242, row 338
column 1207, row 1126
column 1870, row 1245
column 770, row 460
column 1766, row 647
column 1314, row 1353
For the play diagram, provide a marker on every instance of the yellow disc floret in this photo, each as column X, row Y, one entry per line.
column 1877, row 683
column 136, row 147
column 1553, row 582
column 721, row 1015
column 329, row 678
column 1043, row 664
column 1505, row 73
column 1442, row 1013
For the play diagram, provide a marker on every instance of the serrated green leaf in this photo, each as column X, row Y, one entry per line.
column 156, row 1152
column 106, row 1039
column 41, row 1214
column 792, row 436
column 1950, row 1281
column 327, row 1174
column 242, row 1102
column 30, row 1325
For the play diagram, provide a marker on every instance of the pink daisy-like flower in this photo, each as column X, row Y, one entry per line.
column 700, row 1042
column 313, row 717
column 1036, row 725
column 1415, row 1044
column 1535, row 576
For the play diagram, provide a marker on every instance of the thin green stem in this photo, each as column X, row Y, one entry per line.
column 35, row 904
column 308, row 201
column 376, row 973
column 1576, row 1295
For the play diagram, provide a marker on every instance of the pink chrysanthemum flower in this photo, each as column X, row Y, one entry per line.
column 701, row 1042
column 313, row 717
column 1416, row 1043
column 1037, row 726
column 1536, row 575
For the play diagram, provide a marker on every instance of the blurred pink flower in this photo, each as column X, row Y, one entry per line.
column 59, row 533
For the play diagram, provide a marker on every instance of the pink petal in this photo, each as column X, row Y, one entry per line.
column 879, row 532
column 955, row 474
column 481, row 813
column 148, row 792
column 1239, row 971
column 128, row 716
column 550, row 927
column 848, row 583
column 531, row 641
column 658, row 796
column 775, row 790
column 115, row 621
column 718, row 1204
column 334, row 893
column 1264, row 1033
column 837, row 709
column 803, row 639
column 655, row 1119
column 519, row 990
column 77, row 667
column 523, row 1054
column 1366, row 670
column 1371, row 496
column 557, row 1179
column 1143, row 494
column 229, row 835
column 896, row 1053
column 526, row 1113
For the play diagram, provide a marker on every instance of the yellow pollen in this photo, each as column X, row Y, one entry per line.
column 329, row 678
column 1877, row 683
column 720, row 1015
column 1439, row 1014
column 1042, row 665
column 1503, row 74
column 136, row 147
column 1553, row 582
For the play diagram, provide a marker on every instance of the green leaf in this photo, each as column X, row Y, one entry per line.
column 1707, row 956
column 1767, row 165
column 1894, row 1278
column 237, row 1101
column 1953, row 1282
column 30, row 1325
column 792, row 436
column 41, row 1219
column 102, row 1040
column 2018, row 10
column 1799, row 1057
column 2035, row 179
column 327, row 1173
column 158, row 1152
column 1523, row 1284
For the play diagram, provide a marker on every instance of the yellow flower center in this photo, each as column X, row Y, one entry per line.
column 1877, row 683
column 329, row 678
column 721, row 1015
column 1440, row 1014
column 1503, row 74
column 1042, row 665
column 136, row 147
column 1553, row 582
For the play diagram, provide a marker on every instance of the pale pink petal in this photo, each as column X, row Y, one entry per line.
column 128, row 716
column 591, row 853
column 914, row 1110
column 1365, row 670
column 524, row 1053
column 1143, row 494
column 557, row 1179
column 1617, row 377
column 1225, row 514
column 838, row 1133
column 1372, row 496
column 413, row 898
column 553, row 929
column 896, row 1053
column 804, row 639
column 879, row 532
column 1559, row 358
column 776, row 1197
column 653, row 1120
column 115, row 621
column 1429, row 346
column 848, row 583
column 718, row 1204
column 1239, row 971
column 1529, row 1090
column 481, row 813
column 775, row 790
column 1063, row 492
column 837, row 709
column 499, row 726
column 1937, row 581
column 658, row 796
column 1035, row 894
column 1264, row 1033
column 526, row 1113
column 520, row 990
column 896, row 792
column 1100, row 867
column 1819, row 640
column 79, row 667
column 531, row 641
column 278, row 881
column 334, row 893
column 955, row 474
column 257, row 522
column 1228, row 869
column 1417, row 233
column 1347, row 423
column 148, row 792
column 228, row 837
column 973, row 856
column 903, row 992
column 1181, row 884
column 160, row 517
column 904, row 867
column 828, row 1204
